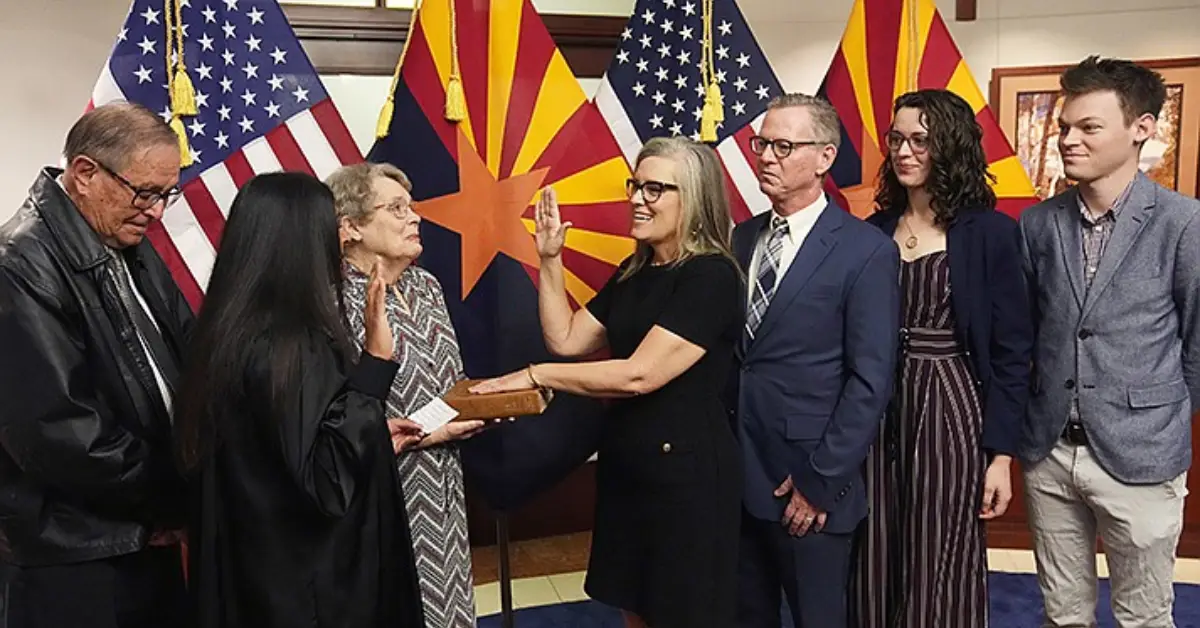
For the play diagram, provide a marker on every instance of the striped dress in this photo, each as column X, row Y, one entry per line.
column 432, row 478
column 922, row 557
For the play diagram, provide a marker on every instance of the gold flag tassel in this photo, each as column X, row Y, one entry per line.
column 183, row 93
column 384, row 124
column 181, row 96
column 456, row 100
column 713, row 111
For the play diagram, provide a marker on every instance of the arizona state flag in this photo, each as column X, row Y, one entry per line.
column 485, row 113
column 891, row 47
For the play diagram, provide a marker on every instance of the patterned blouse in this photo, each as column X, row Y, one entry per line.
column 432, row 477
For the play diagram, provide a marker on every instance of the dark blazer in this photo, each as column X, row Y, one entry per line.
column 991, row 316
column 811, row 388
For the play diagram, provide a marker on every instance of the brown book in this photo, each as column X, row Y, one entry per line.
column 472, row 407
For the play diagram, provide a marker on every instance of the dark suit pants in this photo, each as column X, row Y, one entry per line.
column 812, row 571
column 141, row 590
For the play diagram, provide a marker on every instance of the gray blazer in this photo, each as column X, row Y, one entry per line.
column 1129, row 346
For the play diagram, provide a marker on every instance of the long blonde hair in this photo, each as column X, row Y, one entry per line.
column 706, row 223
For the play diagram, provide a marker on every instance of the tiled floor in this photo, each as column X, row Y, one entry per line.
column 551, row 571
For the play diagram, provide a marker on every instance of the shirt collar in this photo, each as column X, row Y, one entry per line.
column 802, row 221
column 1118, row 203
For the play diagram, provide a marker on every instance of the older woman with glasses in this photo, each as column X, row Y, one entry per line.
column 378, row 225
column 664, row 546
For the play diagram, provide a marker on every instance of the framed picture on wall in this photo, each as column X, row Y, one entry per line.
column 1027, row 102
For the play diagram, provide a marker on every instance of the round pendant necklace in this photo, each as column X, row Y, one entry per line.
column 911, row 242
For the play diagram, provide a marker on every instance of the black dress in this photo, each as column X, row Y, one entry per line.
column 669, row 480
column 301, row 520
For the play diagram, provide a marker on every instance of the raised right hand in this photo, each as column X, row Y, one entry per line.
column 551, row 230
column 378, row 342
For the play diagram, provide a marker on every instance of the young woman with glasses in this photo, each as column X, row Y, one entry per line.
column 940, row 468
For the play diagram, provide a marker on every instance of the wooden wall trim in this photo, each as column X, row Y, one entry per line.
column 368, row 41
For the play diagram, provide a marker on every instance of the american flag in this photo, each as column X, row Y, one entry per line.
column 654, row 86
column 261, row 108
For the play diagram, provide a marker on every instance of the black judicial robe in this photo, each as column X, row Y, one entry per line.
column 301, row 521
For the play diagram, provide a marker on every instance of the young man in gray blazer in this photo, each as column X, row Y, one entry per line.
column 1114, row 270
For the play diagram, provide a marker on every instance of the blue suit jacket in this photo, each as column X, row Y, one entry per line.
column 811, row 389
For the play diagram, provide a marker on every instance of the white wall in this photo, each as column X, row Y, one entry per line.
column 48, row 86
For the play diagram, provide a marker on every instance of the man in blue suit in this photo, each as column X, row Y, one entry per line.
column 815, row 370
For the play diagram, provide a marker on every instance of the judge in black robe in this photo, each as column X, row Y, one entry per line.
column 300, row 520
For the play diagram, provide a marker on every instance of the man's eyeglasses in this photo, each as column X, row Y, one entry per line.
column 651, row 190
column 916, row 143
column 781, row 148
column 143, row 198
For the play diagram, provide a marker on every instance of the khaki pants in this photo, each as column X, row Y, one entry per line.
column 1070, row 498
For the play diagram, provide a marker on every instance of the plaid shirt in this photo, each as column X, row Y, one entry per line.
column 1097, row 231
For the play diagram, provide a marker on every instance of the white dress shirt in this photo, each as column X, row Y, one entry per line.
column 799, row 226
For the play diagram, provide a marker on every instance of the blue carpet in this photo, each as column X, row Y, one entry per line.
column 1015, row 603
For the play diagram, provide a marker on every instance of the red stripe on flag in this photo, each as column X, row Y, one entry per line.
column 336, row 132
column 941, row 57
column 205, row 209
column 742, row 139
column 474, row 47
column 585, row 128
column 290, row 156
column 420, row 76
column 995, row 145
column 179, row 270
column 592, row 271
column 612, row 218
column 1014, row 206
column 533, row 57
column 738, row 209
column 239, row 168
column 839, row 91
column 882, row 39
column 835, row 194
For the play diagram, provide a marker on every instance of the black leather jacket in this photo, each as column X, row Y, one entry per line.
column 86, row 466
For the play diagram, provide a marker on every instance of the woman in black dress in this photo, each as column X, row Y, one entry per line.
column 940, row 469
column 300, row 520
column 664, row 545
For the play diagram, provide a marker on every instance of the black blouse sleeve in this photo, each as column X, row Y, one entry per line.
column 334, row 424
column 706, row 303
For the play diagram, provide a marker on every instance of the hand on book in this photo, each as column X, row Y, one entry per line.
column 517, row 380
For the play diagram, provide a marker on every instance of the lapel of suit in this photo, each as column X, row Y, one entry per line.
column 1071, row 242
column 745, row 240
column 957, row 253
column 817, row 245
column 1130, row 221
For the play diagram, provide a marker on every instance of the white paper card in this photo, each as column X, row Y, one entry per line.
column 433, row 415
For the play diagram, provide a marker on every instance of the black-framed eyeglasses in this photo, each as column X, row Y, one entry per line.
column 651, row 190
column 916, row 143
column 143, row 198
column 781, row 148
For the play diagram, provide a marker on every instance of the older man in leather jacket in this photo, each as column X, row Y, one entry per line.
column 92, row 328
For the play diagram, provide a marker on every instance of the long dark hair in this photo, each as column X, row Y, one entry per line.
column 958, row 174
column 277, row 280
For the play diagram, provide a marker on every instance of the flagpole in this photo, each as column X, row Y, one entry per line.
column 506, row 603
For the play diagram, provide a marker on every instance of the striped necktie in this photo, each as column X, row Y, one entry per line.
column 768, row 274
